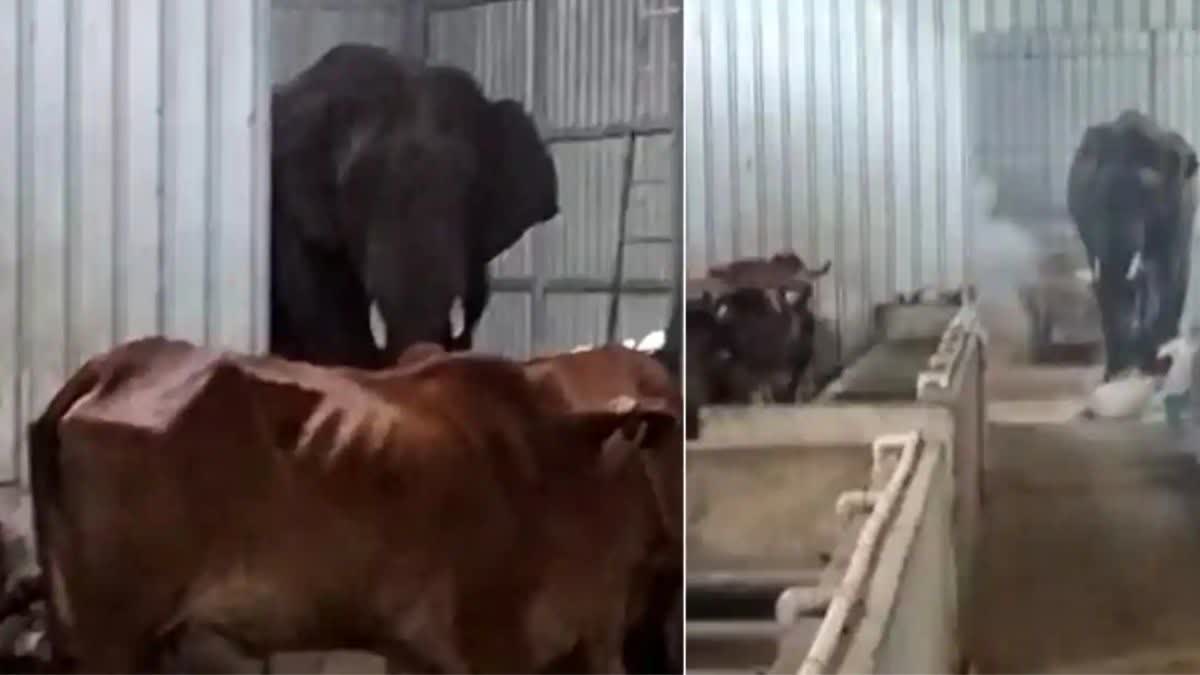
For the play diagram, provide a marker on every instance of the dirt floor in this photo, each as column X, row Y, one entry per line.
column 1090, row 560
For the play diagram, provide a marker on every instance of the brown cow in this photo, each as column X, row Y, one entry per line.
column 461, row 513
column 588, row 379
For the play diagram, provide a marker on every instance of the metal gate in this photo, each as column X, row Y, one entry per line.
column 575, row 65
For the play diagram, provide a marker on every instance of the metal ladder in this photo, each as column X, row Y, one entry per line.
column 624, row 240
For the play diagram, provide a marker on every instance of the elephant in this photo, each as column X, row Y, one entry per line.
column 1131, row 192
column 394, row 184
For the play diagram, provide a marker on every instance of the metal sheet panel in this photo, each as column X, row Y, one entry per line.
column 1035, row 94
column 306, row 29
column 576, row 319
column 832, row 128
column 504, row 328
column 133, row 160
column 582, row 241
column 1006, row 15
column 590, row 72
column 492, row 42
column 1177, row 105
column 10, row 237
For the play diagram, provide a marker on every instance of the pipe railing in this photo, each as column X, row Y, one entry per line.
column 942, row 363
column 883, row 505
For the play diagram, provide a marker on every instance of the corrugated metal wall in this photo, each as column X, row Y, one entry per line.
column 133, row 185
column 1034, row 94
column 306, row 29
column 839, row 128
column 573, row 63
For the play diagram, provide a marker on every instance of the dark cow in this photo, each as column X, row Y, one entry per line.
column 454, row 513
column 1132, row 195
column 775, row 272
column 753, row 330
column 393, row 183
column 706, row 360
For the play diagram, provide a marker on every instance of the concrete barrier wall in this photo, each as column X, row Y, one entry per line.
column 910, row 619
column 965, row 396
column 913, row 619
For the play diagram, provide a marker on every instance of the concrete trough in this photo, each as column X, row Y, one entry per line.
column 835, row 536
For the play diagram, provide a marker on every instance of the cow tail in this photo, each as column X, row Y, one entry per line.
column 45, row 477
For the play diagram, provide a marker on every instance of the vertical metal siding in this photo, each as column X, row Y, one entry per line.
column 1177, row 105
column 10, row 238
column 133, row 163
column 578, row 83
column 1010, row 15
column 306, row 29
column 1037, row 92
column 591, row 44
column 832, row 128
column 839, row 128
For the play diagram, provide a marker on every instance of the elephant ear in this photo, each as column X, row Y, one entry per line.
column 519, row 173
column 1186, row 155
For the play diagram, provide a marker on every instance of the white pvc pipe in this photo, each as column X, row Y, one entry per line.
column 848, row 592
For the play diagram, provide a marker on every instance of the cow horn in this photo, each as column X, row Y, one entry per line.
column 814, row 274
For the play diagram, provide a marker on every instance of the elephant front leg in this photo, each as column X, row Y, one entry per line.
column 1115, row 356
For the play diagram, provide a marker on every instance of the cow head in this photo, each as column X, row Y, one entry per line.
column 769, row 337
column 639, row 434
column 778, row 271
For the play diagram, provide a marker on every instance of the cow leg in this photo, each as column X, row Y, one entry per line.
column 401, row 659
column 112, row 656
column 198, row 649
column 603, row 649
column 606, row 657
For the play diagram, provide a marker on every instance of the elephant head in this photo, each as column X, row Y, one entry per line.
column 403, row 180
column 1132, row 196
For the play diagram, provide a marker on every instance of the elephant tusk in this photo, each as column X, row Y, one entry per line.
column 378, row 326
column 457, row 319
column 1135, row 266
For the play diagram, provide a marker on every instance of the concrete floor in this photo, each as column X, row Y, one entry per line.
column 1090, row 560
